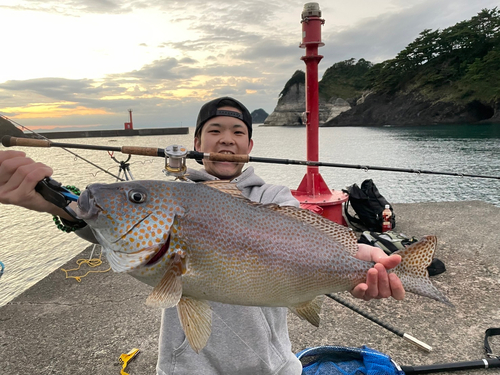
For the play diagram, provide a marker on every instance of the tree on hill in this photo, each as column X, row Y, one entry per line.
column 299, row 77
column 456, row 57
column 344, row 79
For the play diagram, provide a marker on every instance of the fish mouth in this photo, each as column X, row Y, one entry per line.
column 160, row 253
column 87, row 208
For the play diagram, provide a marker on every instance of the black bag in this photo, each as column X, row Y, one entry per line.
column 368, row 204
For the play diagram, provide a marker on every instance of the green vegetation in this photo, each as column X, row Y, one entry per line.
column 298, row 77
column 345, row 79
column 459, row 64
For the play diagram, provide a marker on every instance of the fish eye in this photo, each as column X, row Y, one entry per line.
column 136, row 196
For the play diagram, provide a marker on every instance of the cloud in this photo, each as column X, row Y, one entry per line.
column 248, row 49
column 166, row 69
column 54, row 88
column 74, row 7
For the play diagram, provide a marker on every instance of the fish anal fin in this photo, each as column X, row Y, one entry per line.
column 196, row 321
column 309, row 310
column 412, row 271
column 168, row 291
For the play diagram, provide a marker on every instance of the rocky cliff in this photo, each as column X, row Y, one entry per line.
column 414, row 109
column 7, row 128
column 292, row 104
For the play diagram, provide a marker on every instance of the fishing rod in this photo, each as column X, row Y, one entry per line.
column 493, row 361
column 420, row 344
column 177, row 153
column 65, row 149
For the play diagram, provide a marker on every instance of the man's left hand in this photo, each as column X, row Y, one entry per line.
column 379, row 284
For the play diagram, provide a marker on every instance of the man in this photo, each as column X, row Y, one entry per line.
column 244, row 340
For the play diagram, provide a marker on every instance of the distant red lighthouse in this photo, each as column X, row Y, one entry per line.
column 129, row 125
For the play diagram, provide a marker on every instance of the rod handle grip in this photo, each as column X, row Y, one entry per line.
column 9, row 141
column 213, row 156
column 422, row 345
column 145, row 151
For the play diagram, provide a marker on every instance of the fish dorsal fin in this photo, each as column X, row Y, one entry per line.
column 336, row 231
column 225, row 186
column 168, row 292
column 196, row 321
column 230, row 188
column 309, row 310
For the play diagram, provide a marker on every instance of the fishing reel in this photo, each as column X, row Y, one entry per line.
column 175, row 161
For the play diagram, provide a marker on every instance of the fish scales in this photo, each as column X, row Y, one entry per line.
column 205, row 242
column 243, row 255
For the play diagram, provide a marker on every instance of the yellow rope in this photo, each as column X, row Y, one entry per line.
column 93, row 262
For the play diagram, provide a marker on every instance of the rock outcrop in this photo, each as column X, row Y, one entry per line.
column 413, row 109
column 259, row 116
column 8, row 128
column 292, row 105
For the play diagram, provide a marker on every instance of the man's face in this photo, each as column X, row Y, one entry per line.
column 224, row 134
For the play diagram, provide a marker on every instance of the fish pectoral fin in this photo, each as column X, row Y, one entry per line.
column 309, row 310
column 196, row 321
column 168, row 292
column 126, row 262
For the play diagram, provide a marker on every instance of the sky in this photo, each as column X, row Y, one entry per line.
column 81, row 64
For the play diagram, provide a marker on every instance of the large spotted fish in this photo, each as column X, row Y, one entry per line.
column 205, row 242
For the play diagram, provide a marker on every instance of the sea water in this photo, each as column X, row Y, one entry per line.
column 32, row 247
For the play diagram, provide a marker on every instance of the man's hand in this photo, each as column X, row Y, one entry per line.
column 18, row 178
column 379, row 284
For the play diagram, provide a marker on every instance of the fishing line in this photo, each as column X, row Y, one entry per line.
column 65, row 149
column 143, row 162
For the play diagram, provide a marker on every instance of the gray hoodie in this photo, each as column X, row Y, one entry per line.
column 245, row 339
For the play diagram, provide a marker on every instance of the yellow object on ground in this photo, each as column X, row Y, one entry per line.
column 126, row 358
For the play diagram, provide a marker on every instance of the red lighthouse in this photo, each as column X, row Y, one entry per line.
column 129, row 125
column 313, row 192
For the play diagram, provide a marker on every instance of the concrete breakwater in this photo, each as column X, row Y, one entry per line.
column 111, row 133
column 60, row 326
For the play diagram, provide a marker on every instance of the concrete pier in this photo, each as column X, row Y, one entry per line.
column 60, row 326
column 111, row 133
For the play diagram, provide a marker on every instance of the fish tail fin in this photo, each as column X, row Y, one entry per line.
column 412, row 271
